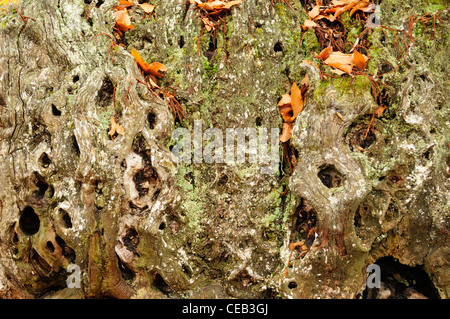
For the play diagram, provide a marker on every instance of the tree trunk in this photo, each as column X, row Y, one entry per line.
column 141, row 224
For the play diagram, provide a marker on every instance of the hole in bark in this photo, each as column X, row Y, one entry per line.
column 186, row 270
column 278, row 47
column 2, row 101
column 75, row 147
column 37, row 259
column 105, row 96
column 223, row 180
column 75, row 79
column 131, row 240
column 212, row 47
column 151, row 117
column 146, row 178
column 292, row 285
column 305, row 219
column 29, row 222
column 45, row 160
column 356, row 136
column 160, row 284
column 50, row 247
column 258, row 121
column 330, row 176
column 67, row 252
column 162, row 226
column 127, row 273
column 65, row 218
column 40, row 133
column 270, row 293
column 399, row 281
column 55, row 111
column 181, row 42
column 40, row 183
column 15, row 238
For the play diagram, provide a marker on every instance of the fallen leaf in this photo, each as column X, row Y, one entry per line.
column 123, row 21
column 115, row 128
column 147, row 7
column 314, row 12
column 325, row 53
column 286, row 132
column 296, row 101
column 340, row 61
column 309, row 24
column 346, row 8
column 359, row 6
column 379, row 110
column 156, row 69
column 144, row 66
column 359, row 60
column 285, row 107
column 304, row 81
column 232, row 3
column 337, row 71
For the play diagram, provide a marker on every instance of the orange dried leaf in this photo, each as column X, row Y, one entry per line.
column 122, row 15
column 147, row 7
column 296, row 101
column 115, row 128
column 305, row 81
column 144, row 66
column 156, row 69
column 232, row 3
column 340, row 61
column 346, row 8
column 359, row 6
column 123, row 27
column 123, row 21
column 359, row 60
column 309, row 24
column 314, row 12
column 379, row 110
column 325, row 53
column 286, row 132
column 285, row 107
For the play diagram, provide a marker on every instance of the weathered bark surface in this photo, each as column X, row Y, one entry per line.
column 140, row 225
